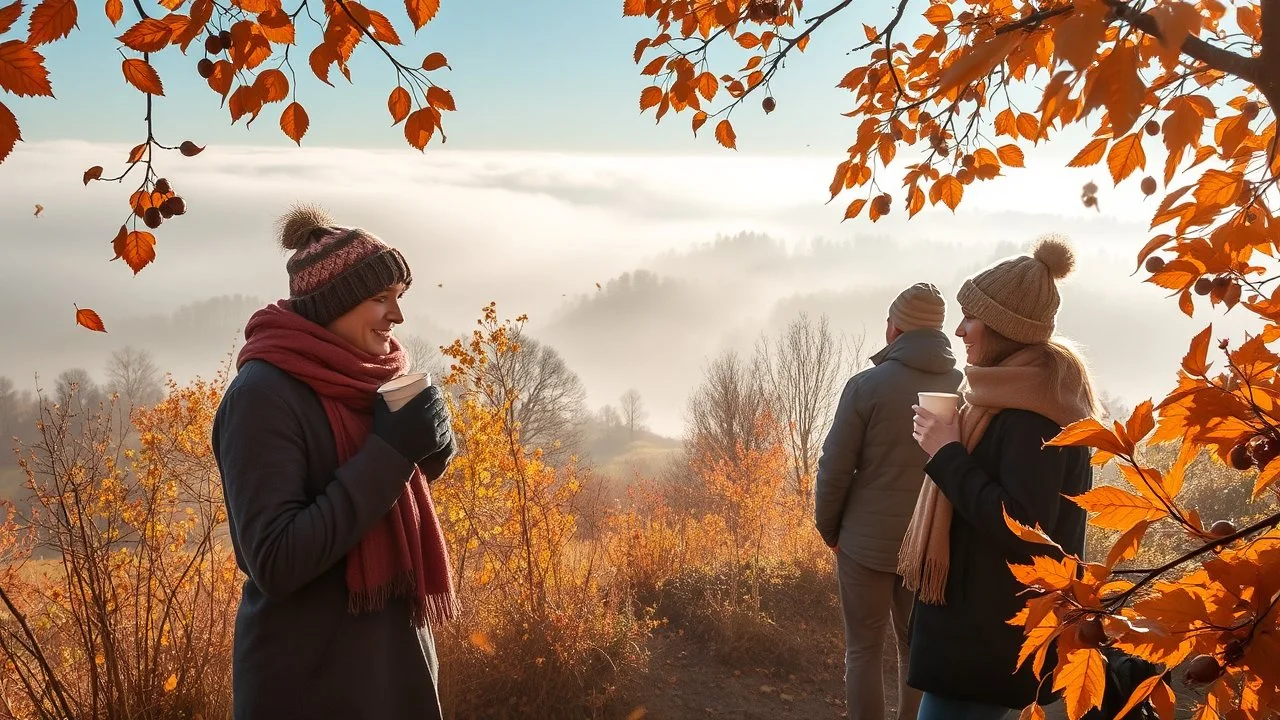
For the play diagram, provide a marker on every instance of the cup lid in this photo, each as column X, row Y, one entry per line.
column 402, row 381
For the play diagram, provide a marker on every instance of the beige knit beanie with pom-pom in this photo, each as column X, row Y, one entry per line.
column 1018, row 297
column 335, row 268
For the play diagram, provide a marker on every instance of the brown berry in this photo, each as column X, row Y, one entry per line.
column 212, row 45
column 189, row 148
column 1265, row 451
column 166, row 209
column 1148, row 185
column 152, row 217
column 1091, row 633
column 176, row 204
column 1203, row 669
column 224, row 37
column 1222, row 528
column 1234, row 651
column 768, row 104
column 1152, row 127
column 1249, row 110
column 162, row 186
column 1240, row 457
column 204, row 68
column 1203, row 286
column 1155, row 264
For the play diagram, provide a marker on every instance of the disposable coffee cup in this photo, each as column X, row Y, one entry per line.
column 944, row 405
column 403, row 389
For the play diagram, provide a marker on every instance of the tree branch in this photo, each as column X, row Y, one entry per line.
column 1243, row 67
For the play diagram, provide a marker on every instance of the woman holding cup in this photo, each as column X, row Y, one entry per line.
column 327, row 492
column 988, row 457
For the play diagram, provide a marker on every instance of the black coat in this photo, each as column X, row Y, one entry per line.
column 294, row 513
column 965, row 649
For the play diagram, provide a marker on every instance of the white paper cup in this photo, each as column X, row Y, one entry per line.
column 944, row 405
column 403, row 389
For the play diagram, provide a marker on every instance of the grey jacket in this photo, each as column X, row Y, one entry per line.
column 294, row 513
column 870, row 470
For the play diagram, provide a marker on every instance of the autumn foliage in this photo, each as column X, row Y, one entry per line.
column 961, row 102
column 248, row 52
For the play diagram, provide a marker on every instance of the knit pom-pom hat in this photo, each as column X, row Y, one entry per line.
column 1018, row 297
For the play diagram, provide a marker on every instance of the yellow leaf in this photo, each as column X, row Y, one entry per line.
column 171, row 683
column 949, row 190
column 1218, row 188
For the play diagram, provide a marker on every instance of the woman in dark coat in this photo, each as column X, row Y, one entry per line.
column 1021, row 387
column 326, row 490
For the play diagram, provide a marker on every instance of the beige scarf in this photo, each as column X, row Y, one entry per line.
column 1020, row 382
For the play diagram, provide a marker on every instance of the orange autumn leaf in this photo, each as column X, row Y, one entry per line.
column 440, row 99
column 434, row 61
column 419, row 127
column 51, row 20
column 148, row 35
column 10, row 134
column 1116, row 509
column 89, row 319
column 271, row 85
column 140, row 74
column 9, row 14
column 115, row 11
column 137, row 248
column 22, row 70
column 398, row 104
column 1010, row 155
column 947, row 189
column 421, row 11
column 725, row 135
column 1082, row 680
column 294, row 122
column 1126, row 156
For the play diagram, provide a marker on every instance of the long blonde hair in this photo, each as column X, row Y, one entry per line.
column 1067, row 369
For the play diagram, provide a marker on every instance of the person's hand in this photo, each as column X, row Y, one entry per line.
column 418, row 429
column 932, row 432
column 434, row 465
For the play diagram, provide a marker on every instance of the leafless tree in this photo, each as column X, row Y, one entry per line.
column 724, row 411
column 804, row 369
column 76, row 390
column 424, row 356
column 633, row 411
column 549, row 400
column 133, row 374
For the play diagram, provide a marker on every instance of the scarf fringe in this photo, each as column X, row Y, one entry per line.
column 436, row 608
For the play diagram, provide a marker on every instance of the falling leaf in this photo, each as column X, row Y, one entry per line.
column 171, row 683
column 89, row 319
column 115, row 11
column 39, row 209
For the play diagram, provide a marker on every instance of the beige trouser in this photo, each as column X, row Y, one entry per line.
column 870, row 599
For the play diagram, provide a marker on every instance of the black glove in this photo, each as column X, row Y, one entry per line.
column 418, row 429
column 434, row 465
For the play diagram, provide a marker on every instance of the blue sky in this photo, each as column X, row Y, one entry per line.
column 526, row 75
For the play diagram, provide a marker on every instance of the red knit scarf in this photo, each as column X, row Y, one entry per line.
column 403, row 554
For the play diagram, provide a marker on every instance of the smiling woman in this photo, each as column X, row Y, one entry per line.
column 327, row 493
